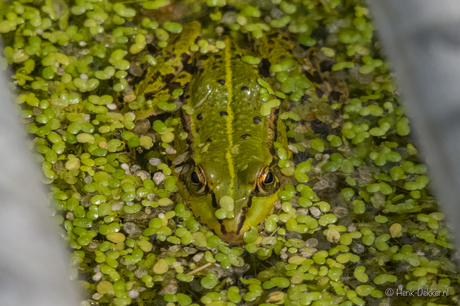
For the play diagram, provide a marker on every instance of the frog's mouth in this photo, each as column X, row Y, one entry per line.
column 232, row 230
column 252, row 210
column 257, row 209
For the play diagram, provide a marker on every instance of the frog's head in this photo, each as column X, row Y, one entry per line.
column 253, row 190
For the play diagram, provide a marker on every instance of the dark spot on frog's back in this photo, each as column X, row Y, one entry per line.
column 257, row 120
column 221, row 82
column 209, row 140
column 245, row 135
column 245, row 88
column 223, row 113
column 199, row 117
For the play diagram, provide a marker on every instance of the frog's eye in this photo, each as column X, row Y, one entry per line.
column 266, row 180
column 198, row 176
column 198, row 181
column 195, row 178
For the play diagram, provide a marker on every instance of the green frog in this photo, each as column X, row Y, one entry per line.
column 231, row 144
column 232, row 175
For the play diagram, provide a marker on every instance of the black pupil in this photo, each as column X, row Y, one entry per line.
column 195, row 178
column 268, row 178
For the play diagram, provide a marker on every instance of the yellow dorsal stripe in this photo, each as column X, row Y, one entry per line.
column 196, row 140
column 229, row 85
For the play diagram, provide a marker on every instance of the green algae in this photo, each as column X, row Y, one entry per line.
column 358, row 207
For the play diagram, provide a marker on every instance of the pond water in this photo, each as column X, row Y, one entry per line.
column 227, row 153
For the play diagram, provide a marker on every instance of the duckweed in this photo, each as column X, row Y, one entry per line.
column 355, row 215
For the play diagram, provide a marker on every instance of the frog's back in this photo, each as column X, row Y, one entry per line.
column 226, row 102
